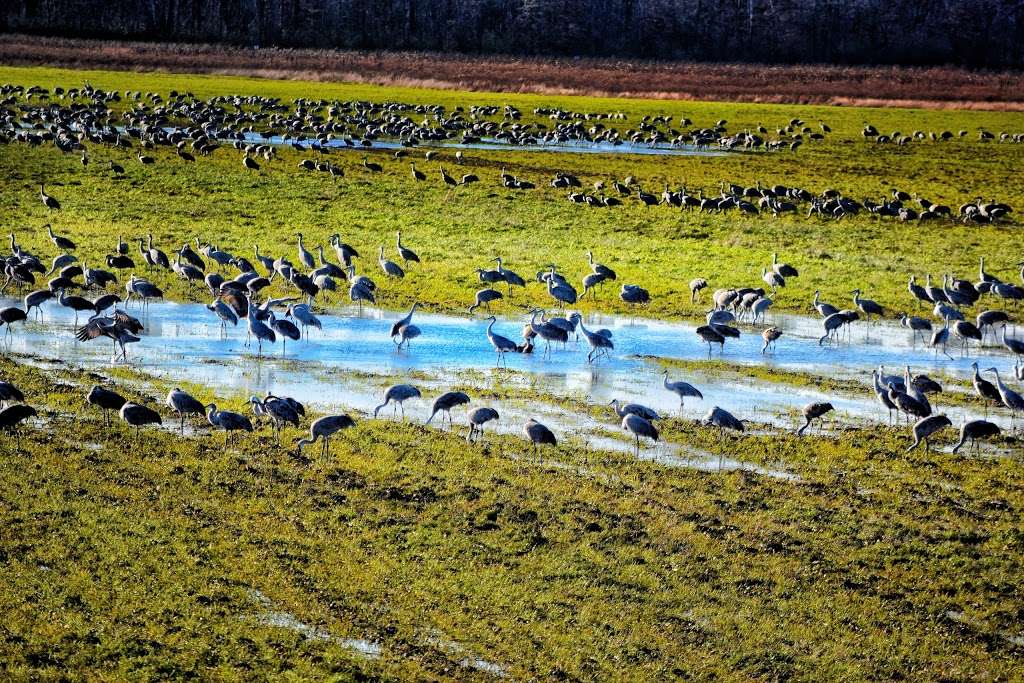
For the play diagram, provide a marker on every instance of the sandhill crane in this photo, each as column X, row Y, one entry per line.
column 396, row 327
column 249, row 163
column 624, row 409
column 184, row 404
column 324, row 428
column 907, row 404
column 639, row 427
column 939, row 340
column 136, row 415
column 344, row 251
column 814, row 411
column 371, row 166
column 966, row 331
column 12, row 416
column 280, row 411
column 285, row 329
column 48, row 201
column 723, row 419
column 882, row 393
column 1012, row 345
column 265, row 261
column 711, row 336
column 634, row 295
column 502, row 345
column 155, row 256
column 390, row 268
column 120, row 328
column 225, row 314
column 918, row 292
column 10, row 315
column 696, row 285
column 227, row 421
column 681, row 389
column 62, row 243
column 417, row 175
column 305, row 316
column 918, row 325
column 599, row 344
column 10, row 393
column 985, row 389
column 1010, row 398
column 866, row 306
column 773, row 279
column 562, row 292
column 546, row 331
column 770, row 336
column 783, row 269
column 978, row 429
column 446, row 178
column 823, row 309
column 399, row 394
column 484, row 297
column 925, row 428
column 478, row 417
column 539, row 435
column 510, row 277
column 444, row 404
column 599, row 268
column 305, row 258
column 106, row 400
column 259, row 329
column 408, row 255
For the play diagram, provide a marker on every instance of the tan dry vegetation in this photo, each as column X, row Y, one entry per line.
column 933, row 87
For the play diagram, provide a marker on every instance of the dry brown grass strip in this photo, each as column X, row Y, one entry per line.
column 932, row 87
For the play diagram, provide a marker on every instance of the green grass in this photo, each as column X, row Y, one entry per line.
column 455, row 233
column 137, row 558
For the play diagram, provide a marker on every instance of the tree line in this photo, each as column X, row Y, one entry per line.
column 975, row 33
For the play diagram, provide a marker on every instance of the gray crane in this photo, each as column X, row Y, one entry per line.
column 324, row 428
column 184, row 404
column 12, row 416
column 814, row 411
column 259, row 329
column 478, row 417
column 882, row 393
column 624, row 409
column 280, row 411
column 106, row 400
column 539, row 435
column 136, row 415
column 305, row 258
column 227, row 421
column 977, row 429
column 399, row 394
column 639, row 426
column 1010, row 398
column 770, row 335
column 723, row 419
column 925, row 428
column 484, row 297
column 444, row 404
column 599, row 344
column 866, row 306
column 408, row 255
column 783, row 269
column 502, row 345
column 681, row 389
column 390, row 268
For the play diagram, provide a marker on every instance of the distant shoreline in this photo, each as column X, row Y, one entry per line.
column 883, row 86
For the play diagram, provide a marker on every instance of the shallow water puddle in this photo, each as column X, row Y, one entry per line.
column 281, row 619
column 184, row 340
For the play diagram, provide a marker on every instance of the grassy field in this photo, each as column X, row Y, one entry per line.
column 456, row 232
column 172, row 556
